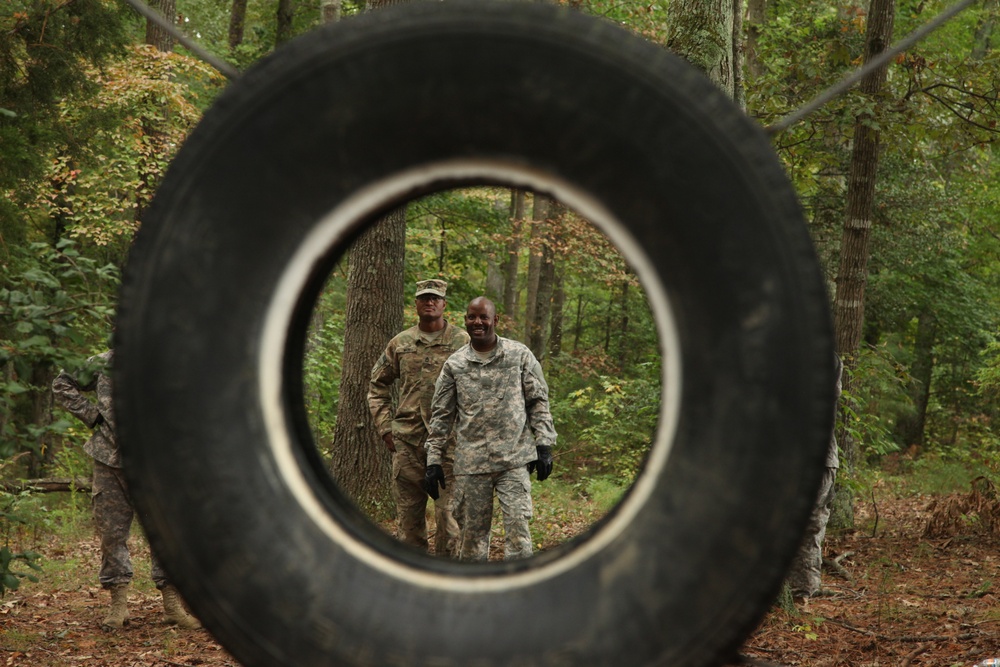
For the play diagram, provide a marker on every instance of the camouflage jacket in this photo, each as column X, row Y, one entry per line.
column 70, row 393
column 498, row 409
column 416, row 363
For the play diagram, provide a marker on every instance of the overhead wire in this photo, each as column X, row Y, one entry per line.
column 855, row 77
column 784, row 123
column 219, row 64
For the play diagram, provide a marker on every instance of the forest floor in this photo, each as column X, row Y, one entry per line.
column 909, row 599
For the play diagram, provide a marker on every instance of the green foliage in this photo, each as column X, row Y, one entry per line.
column 988, row 376
column 611, row 421
column 46, row 48
column 55, row 303
column 11, row 562
column 119, row 142
column 322, row 367
column 564, row 509
column 868, row 413
column 10, row 575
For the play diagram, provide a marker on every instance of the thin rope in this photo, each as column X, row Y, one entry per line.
column 222, row 66
column 852, row 79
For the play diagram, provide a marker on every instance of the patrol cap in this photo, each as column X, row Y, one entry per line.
column 438, row 287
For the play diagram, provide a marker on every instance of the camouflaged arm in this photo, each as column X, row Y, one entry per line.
column 70, row 395
column 443, row 410
column 380, row 393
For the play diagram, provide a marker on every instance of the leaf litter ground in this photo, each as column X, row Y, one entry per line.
column 902, row 598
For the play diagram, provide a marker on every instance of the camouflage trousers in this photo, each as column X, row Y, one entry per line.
column 474, row 511
column 408, row 466
column 804, row 576
column 113, row 515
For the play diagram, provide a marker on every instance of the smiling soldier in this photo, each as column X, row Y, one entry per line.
column 492, row 398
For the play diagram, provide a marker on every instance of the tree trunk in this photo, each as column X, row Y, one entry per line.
column 42, row 374
column 237, row 21
column 157, row 36
column 512, row 258
column 983, row 40
column 756, row 15
column 578, row 325
column 283, row 29
column 623, row 330
column 536, row 244
column 558, row 304
column 703, row 32
column 910, row 429
column 330, row 10
column 852, row 274
column 543, row 303
column 360, row 460
column 494, row 280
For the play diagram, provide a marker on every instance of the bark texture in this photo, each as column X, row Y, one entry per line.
column 360, row 461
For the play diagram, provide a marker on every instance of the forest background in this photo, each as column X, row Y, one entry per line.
column 94, row 103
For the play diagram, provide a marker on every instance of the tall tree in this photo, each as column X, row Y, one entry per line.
column 157, row 36
column 707, row 33
column 855, row 250
column 754, row 24
column 237, row 22
column 540, row 276
column 285, row 16
column 558, row 305
column 360, row 461
column 513, row 251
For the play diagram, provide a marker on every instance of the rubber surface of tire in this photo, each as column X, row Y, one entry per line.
column 678, row 577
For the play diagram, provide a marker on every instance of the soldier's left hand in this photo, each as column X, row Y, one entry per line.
column 433, row 476
column 543, row 465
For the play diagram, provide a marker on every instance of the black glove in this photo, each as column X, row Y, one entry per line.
column 543, row 465
column 433, row 476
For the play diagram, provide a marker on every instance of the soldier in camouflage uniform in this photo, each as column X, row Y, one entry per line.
column 492, row 396
column 112, row 508
column 414, row 358
column 804, row 575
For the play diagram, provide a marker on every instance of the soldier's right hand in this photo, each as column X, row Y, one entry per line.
column 433, row 476
column 387, row 439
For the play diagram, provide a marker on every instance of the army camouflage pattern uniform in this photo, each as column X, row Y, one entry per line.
column 805, row 574
column 110, row 501
column 497, row 409
column 415, row 358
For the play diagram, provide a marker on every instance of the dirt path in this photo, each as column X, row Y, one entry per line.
column 910, row 601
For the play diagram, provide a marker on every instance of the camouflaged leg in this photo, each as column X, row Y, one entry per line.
column 156, row 571
column 473, row 509
column 411, row 499
column 113, row 520
column 805, row 574
column 513, row 489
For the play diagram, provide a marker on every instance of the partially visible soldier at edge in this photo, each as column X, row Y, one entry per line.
column 414, row 357
column 111, row 505
column 805, row 574
column 491, row 407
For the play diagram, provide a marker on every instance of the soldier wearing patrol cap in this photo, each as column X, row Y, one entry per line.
column 414, row 359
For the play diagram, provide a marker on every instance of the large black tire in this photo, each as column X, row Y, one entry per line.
column 354, row 119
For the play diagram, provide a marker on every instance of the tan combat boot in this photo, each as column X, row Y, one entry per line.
column 174, row 610
column 118, row 615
